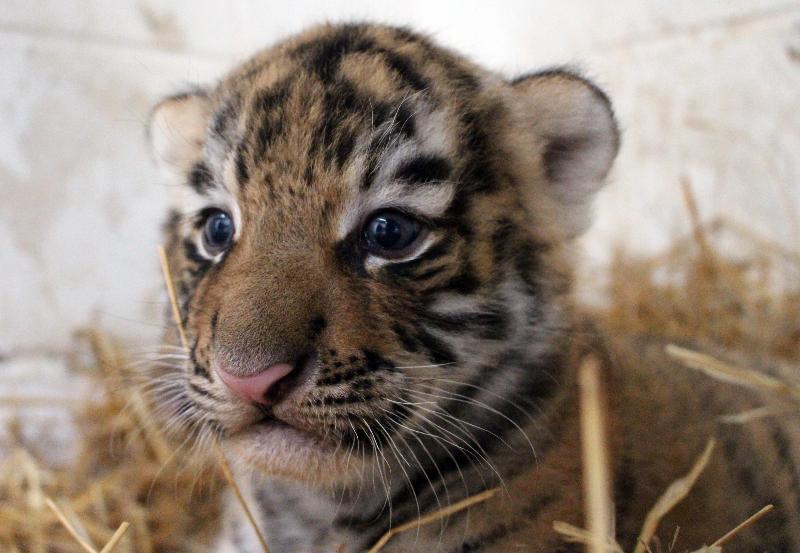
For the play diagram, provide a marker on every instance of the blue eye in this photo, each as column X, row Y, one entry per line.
column 390, row 233
column 218, row 232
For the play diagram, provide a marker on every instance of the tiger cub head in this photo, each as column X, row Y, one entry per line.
column 370, row 234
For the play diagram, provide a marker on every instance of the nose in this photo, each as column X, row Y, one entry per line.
column 256, row 388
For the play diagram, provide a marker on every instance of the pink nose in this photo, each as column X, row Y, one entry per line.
column 255, row 388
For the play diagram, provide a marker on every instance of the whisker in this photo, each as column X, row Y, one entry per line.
column 456, row 420
column 425, row 366
column 398, row 458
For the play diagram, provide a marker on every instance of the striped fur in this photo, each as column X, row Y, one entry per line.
column 435, row 375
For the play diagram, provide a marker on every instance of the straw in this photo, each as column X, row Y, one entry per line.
column 726, row 372
column 597, row 490
column 69, row 526
column 675, row 493
column 752, row 519
column 226, row 470
column 173, row 298
column 433, row 517
column 116, row 537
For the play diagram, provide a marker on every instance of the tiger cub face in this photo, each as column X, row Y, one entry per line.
column 368, row 227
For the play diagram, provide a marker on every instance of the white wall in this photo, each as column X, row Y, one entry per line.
column 705, row 90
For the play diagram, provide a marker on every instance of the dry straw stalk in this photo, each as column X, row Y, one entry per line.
column 731, row 374
column 226, row 471
column 597, row 487
column 752, row 519
column 675, row 493
column 433, row 517
column 88, row 547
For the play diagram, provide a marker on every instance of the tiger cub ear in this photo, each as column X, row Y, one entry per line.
column 571, row 127
column 177, row 131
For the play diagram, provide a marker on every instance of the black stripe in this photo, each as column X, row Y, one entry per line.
column 266, row 109
column 479, row 175
column 430, row 273
column 376, row 361
column 318, row 324
column 350, row 253
column 373, row 362
column 438, row 351
column 487, row 441
column 185, row 297
column 448, row 461
column 403, row 68
column 464, row 282
column 342, row 376
column 224, row 121
column 270, row 100
column 200, row 178
column 407, row 269
column 347, row 399
column 197, row 367
column 201, row 391
column 487, row 322
column 461, row 76
column 325, row 55
column 527, row 263
column 214, row 323
column 502, row 240
column 401, row 123
column 200, row 370
column 336, row 137
column 242, row 172
column 539, row 385
column 405, row 337
column 192, row 254
column 424, row 169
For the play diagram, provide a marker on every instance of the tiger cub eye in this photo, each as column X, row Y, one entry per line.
column 390, row 233
column 218, row 232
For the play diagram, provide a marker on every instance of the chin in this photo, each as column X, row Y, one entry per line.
column 275, row 448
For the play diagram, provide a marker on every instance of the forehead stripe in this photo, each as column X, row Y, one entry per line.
column 200, row 178
column 423, row 170
column 401, row 123
column 224, row 121
column 341, row 101
column 242, row 172
column 336, row 131
column 325, row 57
column 266, row 109
column 403, row 68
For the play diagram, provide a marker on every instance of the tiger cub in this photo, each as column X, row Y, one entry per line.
column 371, row 242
